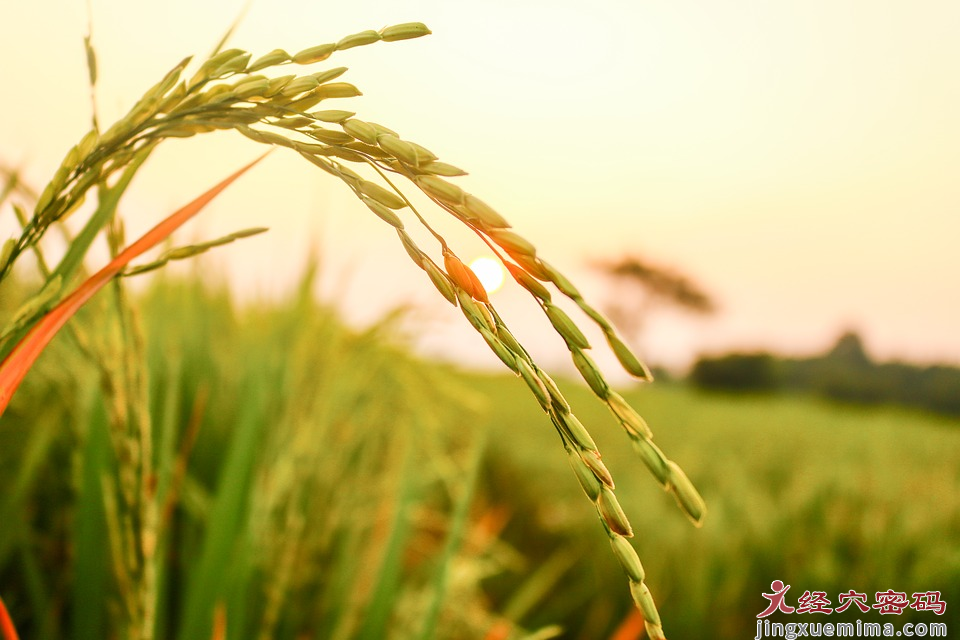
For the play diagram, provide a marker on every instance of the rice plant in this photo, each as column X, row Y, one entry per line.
column 233, row 90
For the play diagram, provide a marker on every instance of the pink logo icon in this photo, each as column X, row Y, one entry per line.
column 776, row 599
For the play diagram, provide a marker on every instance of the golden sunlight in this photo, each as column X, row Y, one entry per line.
column 489, row 271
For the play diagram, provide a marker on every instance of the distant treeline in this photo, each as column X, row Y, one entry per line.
column 845, row 373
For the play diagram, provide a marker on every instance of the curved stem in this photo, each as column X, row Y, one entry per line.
column 440, row 238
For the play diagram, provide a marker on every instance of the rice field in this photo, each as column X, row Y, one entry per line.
column 321, row 482
column 824, row 497
column 225, row 93
column 179, row 465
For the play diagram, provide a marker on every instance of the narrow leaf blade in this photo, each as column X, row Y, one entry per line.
column 15, row 366
column 6, row 624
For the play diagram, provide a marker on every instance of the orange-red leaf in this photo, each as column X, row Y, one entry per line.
column 15, row 366
column 6, row 624
column 219, row 621
column 632, row 627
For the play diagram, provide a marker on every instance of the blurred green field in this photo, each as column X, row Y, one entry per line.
column 320, row 482
column 824, row 497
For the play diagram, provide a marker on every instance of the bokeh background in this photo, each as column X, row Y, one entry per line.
column 795, row 162
column 798, row 159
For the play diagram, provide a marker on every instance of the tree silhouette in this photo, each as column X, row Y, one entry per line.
column 850, row 350
column 640, row 287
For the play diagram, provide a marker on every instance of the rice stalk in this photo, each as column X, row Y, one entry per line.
column 229, row 92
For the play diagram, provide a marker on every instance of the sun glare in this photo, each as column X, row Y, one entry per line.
column 489, row 271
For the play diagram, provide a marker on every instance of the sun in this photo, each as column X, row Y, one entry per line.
column 489, row 271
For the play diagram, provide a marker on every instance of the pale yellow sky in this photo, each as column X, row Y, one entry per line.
column 800, row 159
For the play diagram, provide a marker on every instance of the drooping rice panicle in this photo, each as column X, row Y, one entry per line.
column 233, row 90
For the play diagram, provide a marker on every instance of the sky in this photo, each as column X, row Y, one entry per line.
column 799, row 160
